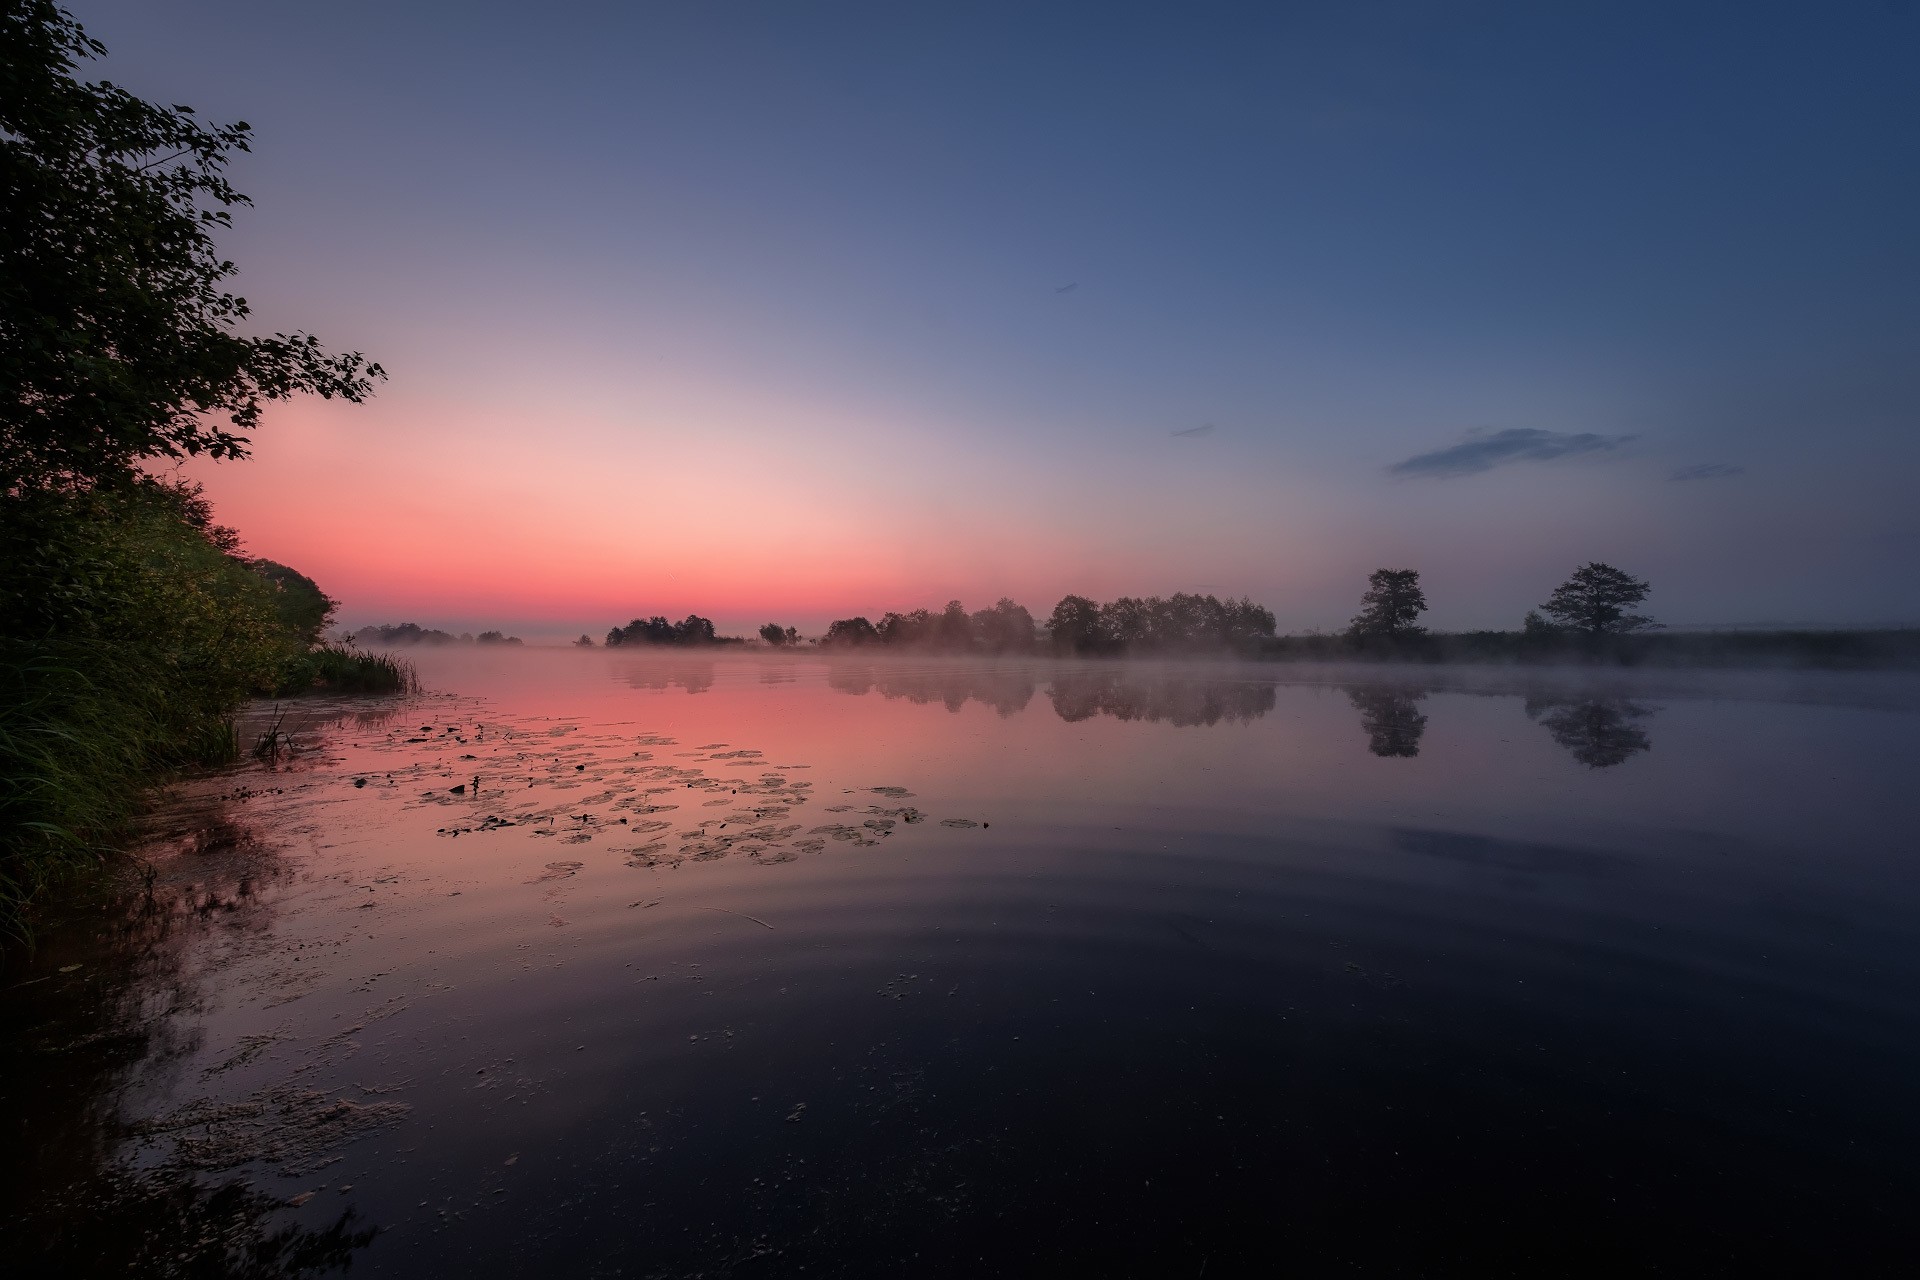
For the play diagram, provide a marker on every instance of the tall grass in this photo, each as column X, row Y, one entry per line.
column 332, row 668
column 83, row 731
column 131, row 630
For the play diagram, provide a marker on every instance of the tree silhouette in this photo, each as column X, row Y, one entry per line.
column 1595, row 600
column 1005, row 628
column 303, row 607
column 851, row 632
column 691, row 630
column 119, row 342
column 1158, row 624
column 774, row 634
column 1392, row 602
column 1075, row 626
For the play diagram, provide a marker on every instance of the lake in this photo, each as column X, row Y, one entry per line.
column 615, row 963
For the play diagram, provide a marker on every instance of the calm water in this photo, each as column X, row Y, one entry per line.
column 749, row 965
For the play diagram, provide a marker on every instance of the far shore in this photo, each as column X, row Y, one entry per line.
column 1842, row 649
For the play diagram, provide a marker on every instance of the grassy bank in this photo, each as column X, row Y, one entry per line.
column 133, row 630
column 334, row 668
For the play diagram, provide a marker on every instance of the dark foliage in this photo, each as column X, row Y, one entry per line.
column 1595, row 602
column 779, row 637
column 332, row 668
column 1004, row 628
column 1075, row 627
column 304, row 609
column 1392, row 605
column 394, row 636
column 118, row 339
column 689, row 631
column 130, row 630
column 1181, row 623
column 130, row 626
column 850, row 633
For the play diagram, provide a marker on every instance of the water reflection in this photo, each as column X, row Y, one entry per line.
column 1599, row 732
column 694, row 677
column 1007, row 690
column 776, row 978
column 1391, row 716
column 1158, row 695
column 92, row 1186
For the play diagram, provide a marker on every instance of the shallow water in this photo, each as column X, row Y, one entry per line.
column 597, row 963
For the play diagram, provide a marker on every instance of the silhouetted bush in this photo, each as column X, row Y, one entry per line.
column 849, row 633
column 689, row 631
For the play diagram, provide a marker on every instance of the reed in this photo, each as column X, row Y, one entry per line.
column 334, row 668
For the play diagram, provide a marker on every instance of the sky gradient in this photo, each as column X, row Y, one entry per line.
column 785, row 312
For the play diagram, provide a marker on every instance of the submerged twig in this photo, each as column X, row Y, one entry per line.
column 743, row 915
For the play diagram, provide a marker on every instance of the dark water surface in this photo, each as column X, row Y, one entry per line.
column 750, row 965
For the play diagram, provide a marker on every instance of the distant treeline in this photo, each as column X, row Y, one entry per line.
column 1819, row 649
column 411, row 633
column 692, row 630
column 1589, row 618
column 1178, row 624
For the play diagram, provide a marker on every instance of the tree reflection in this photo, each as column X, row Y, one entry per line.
column 1159, row 696
column 1600, row 732
column 1391, row 716
column 1125, row 693
column 1007, row 690
column 694, row 677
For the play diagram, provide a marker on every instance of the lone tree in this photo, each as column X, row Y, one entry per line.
column 1595, row 600
column 119, row 341
column 1392, row 602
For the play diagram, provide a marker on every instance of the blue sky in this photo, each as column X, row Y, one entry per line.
column 921, row 295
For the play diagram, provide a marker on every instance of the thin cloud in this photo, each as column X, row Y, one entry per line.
column 1708, row 471
column 1485, row 450
column 1188, row 433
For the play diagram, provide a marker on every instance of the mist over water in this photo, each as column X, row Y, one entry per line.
column 655, row 963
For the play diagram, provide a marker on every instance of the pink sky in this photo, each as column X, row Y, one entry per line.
column 464, row 517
